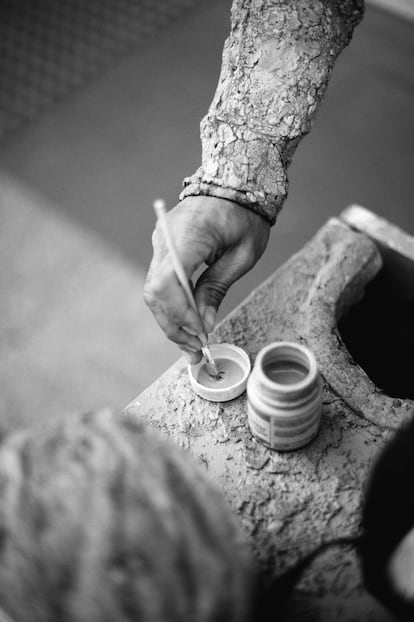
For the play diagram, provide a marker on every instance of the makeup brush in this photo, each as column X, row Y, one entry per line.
column 159, row 207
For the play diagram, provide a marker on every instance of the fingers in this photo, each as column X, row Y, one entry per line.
column 242, row 249
column 169, row 320
column 169, row 304
column 163, row 292
column 208, row 315
column 229, row 238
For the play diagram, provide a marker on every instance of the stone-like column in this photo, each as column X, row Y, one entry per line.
column 289, row 502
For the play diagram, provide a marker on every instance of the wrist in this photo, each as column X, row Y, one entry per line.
column 207, row 201
column 194, row 188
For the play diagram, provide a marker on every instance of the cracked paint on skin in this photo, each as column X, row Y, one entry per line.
column 276, row 67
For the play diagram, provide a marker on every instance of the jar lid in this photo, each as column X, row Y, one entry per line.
column 234, row 365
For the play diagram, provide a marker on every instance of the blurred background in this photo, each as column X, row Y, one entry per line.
column 100, row 104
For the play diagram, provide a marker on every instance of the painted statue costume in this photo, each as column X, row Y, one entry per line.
column 276, row 67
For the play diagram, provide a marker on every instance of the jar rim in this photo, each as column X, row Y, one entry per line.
column 307, row 358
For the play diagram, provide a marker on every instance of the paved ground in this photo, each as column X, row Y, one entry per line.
column 97, row 161
column 74, row 334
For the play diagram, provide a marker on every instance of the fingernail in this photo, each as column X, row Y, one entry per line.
column 191, row 331
column 193, row 347
column 209, row 319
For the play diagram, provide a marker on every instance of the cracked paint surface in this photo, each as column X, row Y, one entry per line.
column 287, row 503
column 276, row 67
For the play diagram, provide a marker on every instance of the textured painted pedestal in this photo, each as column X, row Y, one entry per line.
column 289, row 502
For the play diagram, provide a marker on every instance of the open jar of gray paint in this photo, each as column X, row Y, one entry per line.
column 234, row 366
column 284, row 396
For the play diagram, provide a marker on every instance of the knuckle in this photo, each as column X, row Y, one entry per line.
column 154, row 288
column 248, row 256
column 217, row 290
column 149, row 296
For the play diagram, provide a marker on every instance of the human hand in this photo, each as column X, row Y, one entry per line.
column 206, row 230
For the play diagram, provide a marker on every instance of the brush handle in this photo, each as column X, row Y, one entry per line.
column 159, row 207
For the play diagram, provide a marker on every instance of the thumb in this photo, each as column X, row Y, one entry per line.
column 214, row 284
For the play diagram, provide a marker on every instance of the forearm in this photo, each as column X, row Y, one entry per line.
column 276, row 67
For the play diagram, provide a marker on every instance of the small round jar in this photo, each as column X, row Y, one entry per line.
column 284, row 396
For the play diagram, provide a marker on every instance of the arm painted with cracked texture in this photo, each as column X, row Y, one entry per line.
column 276, row 67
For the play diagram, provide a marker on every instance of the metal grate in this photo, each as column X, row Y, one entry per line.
column 49, row 48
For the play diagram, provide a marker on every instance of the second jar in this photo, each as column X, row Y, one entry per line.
column 284, row 396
